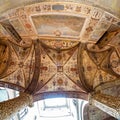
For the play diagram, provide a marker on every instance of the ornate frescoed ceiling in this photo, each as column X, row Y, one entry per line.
column 112, row 5
column 59, row 48
column 93, row 113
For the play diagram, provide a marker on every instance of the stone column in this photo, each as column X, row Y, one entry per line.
column 107, row 103
column 12, row 106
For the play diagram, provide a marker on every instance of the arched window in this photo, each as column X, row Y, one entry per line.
column 3, row 94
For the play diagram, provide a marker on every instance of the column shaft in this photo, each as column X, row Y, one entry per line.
column 12, row 106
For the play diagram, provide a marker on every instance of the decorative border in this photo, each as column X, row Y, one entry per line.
column 67, row 94
column 89, row 12
column 11, row 86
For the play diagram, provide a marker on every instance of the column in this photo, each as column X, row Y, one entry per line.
column 12, row 106
column 107, row 103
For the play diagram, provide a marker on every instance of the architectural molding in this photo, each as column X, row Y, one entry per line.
column 83, row 82
column 66, row 94
column 32, row 86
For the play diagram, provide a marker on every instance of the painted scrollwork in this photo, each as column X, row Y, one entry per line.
column 4, row 56
column 115, row 62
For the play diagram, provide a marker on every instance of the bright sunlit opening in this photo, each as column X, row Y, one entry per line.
column 56, row 102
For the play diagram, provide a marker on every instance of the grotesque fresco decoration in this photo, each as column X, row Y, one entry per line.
column 60, row 44
column 63, row 49
column 93, row 113
column 4, row 56
column 18, row 26
column 115, row 62
column 3, row 31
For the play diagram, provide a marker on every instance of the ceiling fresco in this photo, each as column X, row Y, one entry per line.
column 111, row 5
column 93, row 113
column 59, row 48
column 4, row 56
column 59, row 44
column 40, row 20
column 66, row 25
column 18, row 26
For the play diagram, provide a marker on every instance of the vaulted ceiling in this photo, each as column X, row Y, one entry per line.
column 70, row 48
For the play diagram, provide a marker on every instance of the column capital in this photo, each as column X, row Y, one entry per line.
column 28, row 97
